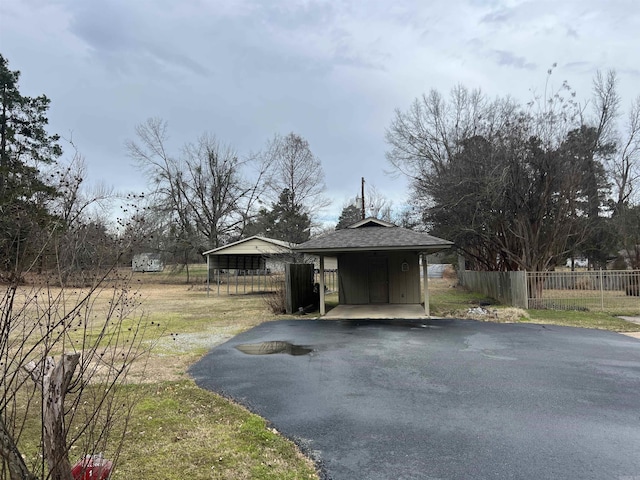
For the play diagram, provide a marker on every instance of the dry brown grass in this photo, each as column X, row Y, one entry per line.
column 185, row 323
column 181, row 321
column 185, row 431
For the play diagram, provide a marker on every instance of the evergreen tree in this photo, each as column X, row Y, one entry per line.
column 285, row 221
column 350, row 215
column 25, row 147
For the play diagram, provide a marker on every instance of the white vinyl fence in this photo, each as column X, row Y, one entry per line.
column 605, row 290
column 330, row 280
column 615, row 291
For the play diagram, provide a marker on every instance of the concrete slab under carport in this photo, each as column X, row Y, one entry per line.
column 373, row 311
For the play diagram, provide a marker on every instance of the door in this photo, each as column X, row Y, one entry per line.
column 378, row 280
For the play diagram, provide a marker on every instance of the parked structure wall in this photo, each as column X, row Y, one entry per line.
column 360, row 276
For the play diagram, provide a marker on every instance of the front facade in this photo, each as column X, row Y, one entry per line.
column 378, row 262
column 379, row 277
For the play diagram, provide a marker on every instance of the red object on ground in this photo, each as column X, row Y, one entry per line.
column 92, row 467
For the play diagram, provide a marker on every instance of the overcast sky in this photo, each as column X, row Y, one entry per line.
column 330, row 71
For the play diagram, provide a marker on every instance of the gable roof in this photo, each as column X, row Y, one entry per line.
column 255, row 245
column 367, row 237
column 371, row 222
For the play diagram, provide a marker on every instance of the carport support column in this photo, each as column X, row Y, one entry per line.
column 208, row 275
column 426, row 285
column 322, row 307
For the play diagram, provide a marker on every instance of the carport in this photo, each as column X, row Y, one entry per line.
column 253, row 258
column 378, row 265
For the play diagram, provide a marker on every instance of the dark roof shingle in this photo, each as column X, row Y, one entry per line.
column 374, row 238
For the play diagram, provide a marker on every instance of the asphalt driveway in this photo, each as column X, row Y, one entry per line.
column 441, row 399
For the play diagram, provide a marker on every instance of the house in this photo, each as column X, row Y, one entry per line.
column 253, row 253
column 253, row 257
column 147, row 262
column 378, row 262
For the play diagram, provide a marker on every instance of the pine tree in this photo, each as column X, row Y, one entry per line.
column 285, row 221
column 25, row 147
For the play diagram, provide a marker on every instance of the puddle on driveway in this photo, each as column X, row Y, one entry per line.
column 269, row 348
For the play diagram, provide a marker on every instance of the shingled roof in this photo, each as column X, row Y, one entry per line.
column 373, row 235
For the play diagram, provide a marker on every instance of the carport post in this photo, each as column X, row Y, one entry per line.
column 426, row 285
column 208, row 275
column 322, row 307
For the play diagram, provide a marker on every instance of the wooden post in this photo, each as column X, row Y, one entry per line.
column 323, row 309
column 208, row 275
column 425, row 274
column 289, row 287
column 54, row 380
column 363, row 207
column 601, row 291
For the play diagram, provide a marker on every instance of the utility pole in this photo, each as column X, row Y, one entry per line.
column 363, row 211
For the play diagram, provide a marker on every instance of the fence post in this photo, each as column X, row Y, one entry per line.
column 525, row 290
column 601, row 291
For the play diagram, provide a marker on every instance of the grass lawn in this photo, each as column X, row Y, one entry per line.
column 177, row 430
column 449, row 300
column 180, row 431
column 194, row 433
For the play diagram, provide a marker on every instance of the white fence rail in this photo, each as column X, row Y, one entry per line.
column 330, row 280
column 605, row 290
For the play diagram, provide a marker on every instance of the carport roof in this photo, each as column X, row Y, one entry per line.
column 373, row 235
column 255, row 245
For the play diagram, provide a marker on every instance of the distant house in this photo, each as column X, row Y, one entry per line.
column 251, row 254
column 254, row 258
column 147, row 262
column 378, row 262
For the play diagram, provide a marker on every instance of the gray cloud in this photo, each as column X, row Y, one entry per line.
column 509, row 59
column 126, row 39
column 501, row 16
column 330, row 71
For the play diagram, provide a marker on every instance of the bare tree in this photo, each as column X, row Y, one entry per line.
column 82, row 213
column 75, row 200
column 64, row 353
column 376, row 204
column 295, row 168
column 515, row 187
column 207, row 193
column 624, row 166
column 219, row 196
column 431, row 131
